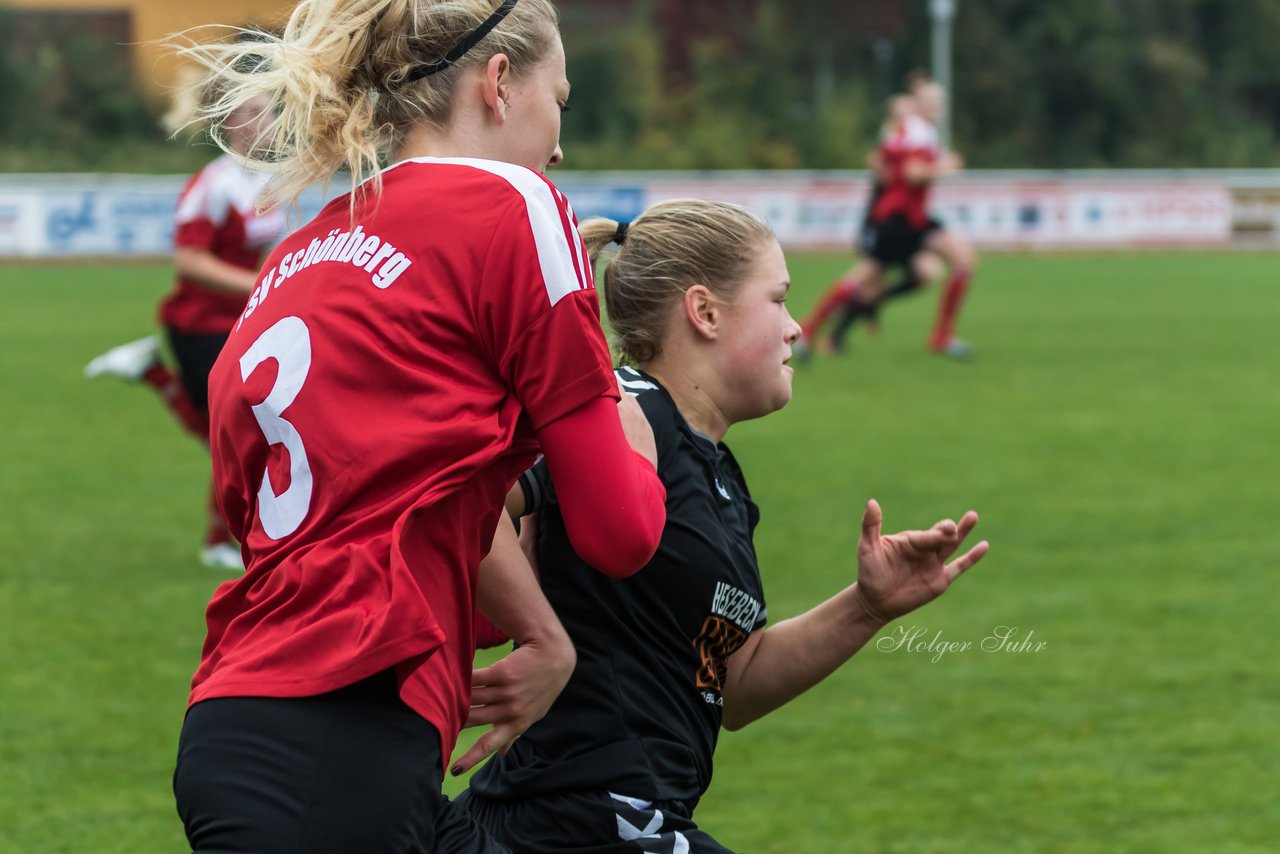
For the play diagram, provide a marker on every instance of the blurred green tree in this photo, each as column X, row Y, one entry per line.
column 764, row 84
column 68, row 100
column 1115, row 83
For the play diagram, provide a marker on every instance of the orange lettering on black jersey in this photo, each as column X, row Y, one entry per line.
column 718, row 640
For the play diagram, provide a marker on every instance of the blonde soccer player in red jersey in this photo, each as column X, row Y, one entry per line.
column 402, row 358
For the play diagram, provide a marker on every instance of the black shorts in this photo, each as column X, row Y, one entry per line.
column 195, row 355
column 894, row 241
column 351, row 770
column 599, row 822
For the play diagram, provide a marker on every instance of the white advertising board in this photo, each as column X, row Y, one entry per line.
column 131, row 216
column 1065, row 214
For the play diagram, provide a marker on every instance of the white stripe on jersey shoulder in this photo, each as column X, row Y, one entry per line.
column 632, row 382
column 222, row 185
column 579, row 247
column 919, row 133
column 560, row 250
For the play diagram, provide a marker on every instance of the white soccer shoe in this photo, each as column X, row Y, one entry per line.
column 222, row 556
column 128, row 361
column 958, row 349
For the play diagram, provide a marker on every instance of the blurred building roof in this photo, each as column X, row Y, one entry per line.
column 148, row 20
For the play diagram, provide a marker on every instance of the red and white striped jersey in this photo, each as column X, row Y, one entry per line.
column 216, row 212
column 914, row 139
column 917, row 135
column 370, row 410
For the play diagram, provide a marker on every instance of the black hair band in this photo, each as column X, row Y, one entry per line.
column 621, row 234
column 460, row 50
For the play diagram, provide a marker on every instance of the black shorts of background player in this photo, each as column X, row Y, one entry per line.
column 905, row 253
column 219, row 241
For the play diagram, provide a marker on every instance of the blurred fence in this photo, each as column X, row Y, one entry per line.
column 53, row 216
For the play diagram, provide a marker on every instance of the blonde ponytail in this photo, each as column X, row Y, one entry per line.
column 597, row 234
column 336, row 78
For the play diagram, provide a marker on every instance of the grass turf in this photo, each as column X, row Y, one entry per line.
column 1116, row 431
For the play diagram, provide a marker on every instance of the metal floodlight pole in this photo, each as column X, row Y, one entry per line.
column 943, row 12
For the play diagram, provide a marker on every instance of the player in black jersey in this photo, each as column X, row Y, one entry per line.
column 696, row 296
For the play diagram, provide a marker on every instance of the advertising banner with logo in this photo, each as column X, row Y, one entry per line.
column 131, row 216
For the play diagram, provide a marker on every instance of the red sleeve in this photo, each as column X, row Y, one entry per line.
column 613, row 504
column 199, row 234
column 561, row 361
column 201, row 211
column 537, row 308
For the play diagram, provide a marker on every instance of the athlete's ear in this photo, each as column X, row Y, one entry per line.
column 496, row 88
column 702, row 311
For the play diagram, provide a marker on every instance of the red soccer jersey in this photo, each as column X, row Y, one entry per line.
column 216, row 212
column 388, row 379
column 916, row 139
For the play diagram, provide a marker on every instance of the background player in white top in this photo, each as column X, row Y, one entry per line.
column 220, row 239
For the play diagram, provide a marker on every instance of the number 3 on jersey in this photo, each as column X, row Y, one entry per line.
column 289, row 343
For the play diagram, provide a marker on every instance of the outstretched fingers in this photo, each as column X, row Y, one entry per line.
column 872, row 518
column 491, row 696
column 960, row 533
column 944, row 537
column 961, row 564
column 946, row 527
column 940, row 536
column 967, row 523
column 488, row 710
column 496, row 740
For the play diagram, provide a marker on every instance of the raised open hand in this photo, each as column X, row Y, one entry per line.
column 898, row 573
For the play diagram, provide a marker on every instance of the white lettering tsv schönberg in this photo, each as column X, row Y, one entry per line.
column 368, row 252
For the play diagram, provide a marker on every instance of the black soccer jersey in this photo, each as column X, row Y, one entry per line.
column 641, row 713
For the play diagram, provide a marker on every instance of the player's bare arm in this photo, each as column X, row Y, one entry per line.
column 897, row 573
column 516, row 692
column 211, row 272
column 920, row 170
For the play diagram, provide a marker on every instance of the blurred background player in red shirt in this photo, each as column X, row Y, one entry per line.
column 898, row 231
column 220, row 239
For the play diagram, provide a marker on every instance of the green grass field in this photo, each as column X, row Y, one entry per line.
column 1117, row 432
